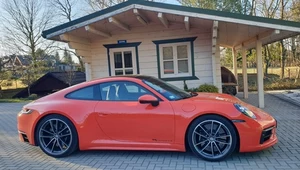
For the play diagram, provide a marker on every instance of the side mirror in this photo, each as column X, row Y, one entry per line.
column 149, row 99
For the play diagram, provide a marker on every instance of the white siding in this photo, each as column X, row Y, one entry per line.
column 147, row 51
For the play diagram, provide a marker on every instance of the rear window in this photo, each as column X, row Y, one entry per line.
column 86, row 93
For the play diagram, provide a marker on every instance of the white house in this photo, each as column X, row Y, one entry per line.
column 172, row 42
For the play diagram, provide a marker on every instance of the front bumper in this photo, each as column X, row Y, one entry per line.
column 257, row 135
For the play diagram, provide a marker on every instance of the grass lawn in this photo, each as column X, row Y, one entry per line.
column 12, row 84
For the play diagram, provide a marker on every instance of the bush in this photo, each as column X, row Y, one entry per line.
column 208, row 88
column 33, row 97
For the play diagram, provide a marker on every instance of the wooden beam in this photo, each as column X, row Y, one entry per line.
column 71, row 38
column 215, row 29
column 84, row 53
column 224, row 45
column 234, row 63
column 93, row 30
column 79, row 46
column 140, row 17
column 260, row 75
column 260, row 37
column 163, row 19
column 187, row 23
column 245, row 75
column 215, row 52
column 88, row 72
column 118, row 23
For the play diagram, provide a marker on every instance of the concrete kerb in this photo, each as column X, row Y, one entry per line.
column 286, row 99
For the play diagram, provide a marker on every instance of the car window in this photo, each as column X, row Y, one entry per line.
column 169, row 91
column 87, row 93
column 122, row 91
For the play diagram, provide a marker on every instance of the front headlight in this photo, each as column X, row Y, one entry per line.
column 244, row 110
column 25, row 111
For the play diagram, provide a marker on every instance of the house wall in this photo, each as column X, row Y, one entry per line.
column 147, row 51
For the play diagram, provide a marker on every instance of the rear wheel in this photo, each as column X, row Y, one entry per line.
column 57, row 136
column 212, row 137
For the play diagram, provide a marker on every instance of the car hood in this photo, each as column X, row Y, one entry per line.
column 216, row 97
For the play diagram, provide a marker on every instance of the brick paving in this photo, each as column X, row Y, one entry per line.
column 284, row 155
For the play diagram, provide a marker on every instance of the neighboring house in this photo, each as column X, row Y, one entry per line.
column 51, row 82
column 65, row 67
column 17, row 61
column 23, row 61
column 171, row 42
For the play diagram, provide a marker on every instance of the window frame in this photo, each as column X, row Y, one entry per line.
column 175, row 60
column 120, row 81
column 110, row 47
column 122, row 50
column 169, row 42
column 95, row 99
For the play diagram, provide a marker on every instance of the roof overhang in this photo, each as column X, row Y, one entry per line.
column 234, row 30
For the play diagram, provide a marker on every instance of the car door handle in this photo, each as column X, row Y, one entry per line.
column 102, row 114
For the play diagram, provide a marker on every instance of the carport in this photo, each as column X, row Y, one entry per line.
column 149, row 24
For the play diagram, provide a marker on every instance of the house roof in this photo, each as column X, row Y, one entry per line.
column 169, row 8
column 79, row 77
column 24, row 59
column 61, row 77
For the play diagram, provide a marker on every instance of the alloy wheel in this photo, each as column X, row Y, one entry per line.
column 211, row 139
column 55, row 136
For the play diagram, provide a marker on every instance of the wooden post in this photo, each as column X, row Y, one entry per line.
column 88, row 75
column 234, row 62
column 245, row 76
column 260, row 75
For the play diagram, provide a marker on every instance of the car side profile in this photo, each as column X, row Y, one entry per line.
column 144, row 113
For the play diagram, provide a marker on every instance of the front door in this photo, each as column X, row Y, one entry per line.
column 123, row 61
column 123, row 118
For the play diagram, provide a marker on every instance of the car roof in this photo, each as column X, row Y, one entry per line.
column 136, row 76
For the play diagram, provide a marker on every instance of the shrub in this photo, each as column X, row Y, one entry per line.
column 208, row 88
column 33, row 97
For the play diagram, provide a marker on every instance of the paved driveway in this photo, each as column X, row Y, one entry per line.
column 284, row 155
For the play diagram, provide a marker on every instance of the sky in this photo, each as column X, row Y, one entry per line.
column 79, row 14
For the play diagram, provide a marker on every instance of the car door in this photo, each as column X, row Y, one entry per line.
column 123, row 118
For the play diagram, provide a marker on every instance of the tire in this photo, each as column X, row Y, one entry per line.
column 222, row 138
column 57, row 136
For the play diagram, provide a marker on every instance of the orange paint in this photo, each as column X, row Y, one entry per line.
column 132, row 125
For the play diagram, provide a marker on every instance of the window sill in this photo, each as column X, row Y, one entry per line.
column 180, row 78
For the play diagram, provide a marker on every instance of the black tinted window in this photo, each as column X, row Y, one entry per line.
column 122, row 91
column 87, row 93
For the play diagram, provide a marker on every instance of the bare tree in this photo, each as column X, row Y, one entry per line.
column 23, row 23
column 65, row 8
column 283, row 49
column 101, row 4
column 70, row 75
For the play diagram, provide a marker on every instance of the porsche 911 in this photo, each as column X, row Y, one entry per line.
column 140, row 112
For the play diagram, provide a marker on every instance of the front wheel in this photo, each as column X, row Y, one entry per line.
column 212, row 137
column 57, row 136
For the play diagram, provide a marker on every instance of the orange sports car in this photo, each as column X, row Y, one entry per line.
column 144, row 113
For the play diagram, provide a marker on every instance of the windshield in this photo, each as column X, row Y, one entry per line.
column 169, row 91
